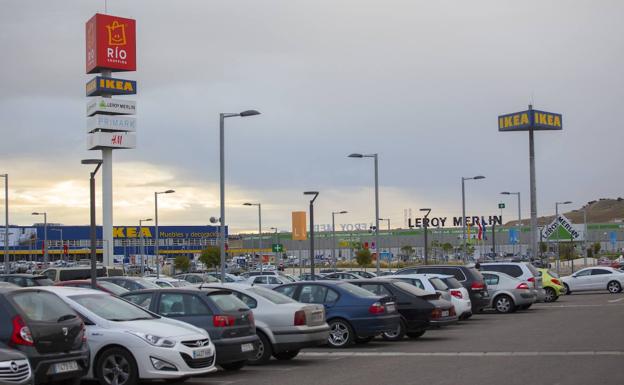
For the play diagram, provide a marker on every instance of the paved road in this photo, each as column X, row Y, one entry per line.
column 576, row 340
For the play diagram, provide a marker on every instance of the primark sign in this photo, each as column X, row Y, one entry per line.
column 491, row 220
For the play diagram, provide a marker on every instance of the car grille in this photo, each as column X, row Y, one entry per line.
column 198, row 363
column 14, row 371
column 196, row 343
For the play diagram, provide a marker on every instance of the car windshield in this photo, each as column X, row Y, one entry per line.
column 271, row 295
column 356, row 290
column 452, row 283
column 438, row 284
column 115, row 289
column 111, row 308
column 228, row 302
column 410, row 288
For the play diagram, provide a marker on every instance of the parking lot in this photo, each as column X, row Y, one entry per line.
column 576, row 340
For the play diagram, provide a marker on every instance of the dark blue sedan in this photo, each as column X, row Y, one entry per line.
column 354, row 315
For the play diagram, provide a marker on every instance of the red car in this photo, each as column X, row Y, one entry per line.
column 105, row 286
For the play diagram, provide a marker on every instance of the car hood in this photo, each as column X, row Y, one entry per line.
column 163, row 327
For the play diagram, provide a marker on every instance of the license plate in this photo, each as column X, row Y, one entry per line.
column 390, row 308
column 247, row 348
column 201, row 353
column 317, row 317
column 64, row 367
column 445, row 313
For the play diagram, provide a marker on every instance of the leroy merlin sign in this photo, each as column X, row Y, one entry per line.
column 566, row 229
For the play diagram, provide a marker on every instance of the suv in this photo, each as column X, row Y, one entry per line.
column 47, row 331
column 523, row 271
column 469, row 277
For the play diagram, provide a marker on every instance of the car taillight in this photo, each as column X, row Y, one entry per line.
column 21, row 333
column 300, row 318
column 523, row 286
column 555, row 281
column 436, row 313
column 457, row 294
column 532, row 280
column 220, row 321
column 376, row 308
column 478, row 285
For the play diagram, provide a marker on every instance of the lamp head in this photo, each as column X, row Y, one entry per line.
column 91, row 161
column 355, row 155
column 506, row 193
column 249, row 113
column 169, row 192
column 247, row 204
column 310, row 193
column 479, row 177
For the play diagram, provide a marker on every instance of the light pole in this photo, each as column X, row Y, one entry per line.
column 315, row 193
column 222, row 117
column 275, row 230
column 61, row 235
column 557, row 229
column 389, row 248
column 6, row 223
column 519, row 218
column 426, row 226
column 143, row 244
column 157, row 240
column 92, row 231
column 259, row 229
column 375, row 158
column 464, row 179
column 45, row 236
column 335, row 249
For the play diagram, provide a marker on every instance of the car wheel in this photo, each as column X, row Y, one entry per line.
column 116, row 366
column 614, row 287
column 233, row 366
column 415, row 335
column 568, row 291
column 504, row 304
column 395, row 335
column 340, row 334
column 551, row 295
column 263, row 355
column 285, row 356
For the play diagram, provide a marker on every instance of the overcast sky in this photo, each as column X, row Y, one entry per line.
column 419, row 82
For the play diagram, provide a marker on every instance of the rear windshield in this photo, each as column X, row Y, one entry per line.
column 476, row 274
column 356, row 290
column 534, row 271
column 115, row 289
column 228, row 302
column 42, row 306
column 452, row 283
column 111, row 308
column 271, row 295
column 438, row 284
column 411, row 289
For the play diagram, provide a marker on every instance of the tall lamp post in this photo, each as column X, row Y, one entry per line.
column 45, row 236
column 389, row 235
column 519, row 218
column 557, row 227
column 157, row 240
column 222, row 117
column 426, row 227
column 315, row 193
column 335, row 248
column 259, row 229
column 464, row 179
column 275, row 231
column 375, row 158
column 92, row 230
column 143, row 244
column 6, row 223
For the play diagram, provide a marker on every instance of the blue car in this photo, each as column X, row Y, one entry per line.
column 354, row 315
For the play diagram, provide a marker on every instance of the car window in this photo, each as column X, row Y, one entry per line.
column 438, row 284
column 490, row 279
column 271, row 295
column 312, row 294
column 41, row 306
column 19, row 281
column 418, row 283
column 274, row 281
column 260, row 280
column 583, row 273
column 356, row 290
column 452, row 283
column 331, row 296
column 376, row 288
column 178, row 304
column 600, row 272
column 50, row 273
column 288, row 291
column 410, row 288
column 144, row 299
column 247, row 300
column 228, row 302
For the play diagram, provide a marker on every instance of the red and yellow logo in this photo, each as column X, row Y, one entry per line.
column 116, row 33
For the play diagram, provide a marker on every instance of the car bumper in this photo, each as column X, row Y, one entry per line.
column 444, row 321
column 372, row 326
column 540, row 294
column 42, row 365
column 479, row 300
column 296, row 339
column 524, row 299
column 462, row 307
column 179, row 356
column 417, row 325
column 231, row 349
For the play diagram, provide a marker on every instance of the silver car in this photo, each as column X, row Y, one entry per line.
column 14, row 368
column 508, row 293
column 521, row 270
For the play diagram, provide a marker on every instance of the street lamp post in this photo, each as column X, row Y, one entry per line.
column 426, row 227
column 6, row 223
column 157, row 240
column 463, row 179
column 45, row 236
column 557, row 227
column 335, row 248
column 519, row 219
column 222, row 117
column 375, row 158
column 315, row 193
column 92, row 230
column 389, row 247
column 275, row 230
column 259, row 229
column 143, row 244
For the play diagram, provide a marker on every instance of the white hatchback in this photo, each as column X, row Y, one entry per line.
column 595, row 278
column 129, row 343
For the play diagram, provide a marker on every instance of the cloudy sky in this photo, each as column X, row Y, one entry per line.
column 419, row 82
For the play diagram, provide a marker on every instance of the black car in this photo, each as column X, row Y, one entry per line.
column 414, row 310
column 26, row 280
column 43, row 327
column 226, row 318
column 469, row 277
column 14, row 367
column 131, row 283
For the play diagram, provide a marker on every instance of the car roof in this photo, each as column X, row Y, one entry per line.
column 187, row 290
column 69, row 290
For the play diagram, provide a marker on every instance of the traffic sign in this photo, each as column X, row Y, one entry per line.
column 278, row 248
column 501, row 205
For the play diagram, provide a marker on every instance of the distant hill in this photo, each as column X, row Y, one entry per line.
column 604, row 210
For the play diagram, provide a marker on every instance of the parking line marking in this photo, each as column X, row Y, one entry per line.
column 616, row 300
column 461, row 354
column 575, row 306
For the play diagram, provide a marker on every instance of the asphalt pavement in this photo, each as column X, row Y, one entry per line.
column 577, row 340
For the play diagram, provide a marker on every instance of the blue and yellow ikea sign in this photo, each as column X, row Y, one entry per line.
column 99, row 86
column 530, row 120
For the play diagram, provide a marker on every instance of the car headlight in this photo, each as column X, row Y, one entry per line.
column 154, row 339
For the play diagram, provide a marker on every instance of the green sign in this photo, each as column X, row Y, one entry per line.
column 278, row 248
column 501, row 205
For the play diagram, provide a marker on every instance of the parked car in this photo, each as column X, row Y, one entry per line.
column 595, row 278
column 196, row 278
column 14, row 368
column 228, row 277
column 167, row 282
column 284, row 326
column 129, row 343
column 40, row 325
column 26, row 280
column 524, row 271
column 353, row 314
column 362, row 273
column 308, row 277
column 427, row 282
column 58, row 274
column 342, row 276
column 469, row 277
column 227, row 319
column 414, row 310
column 460, row 297
column 104, row 286
column 269, row 281
column 131, row 283
column 553, row 287
column 508, row 293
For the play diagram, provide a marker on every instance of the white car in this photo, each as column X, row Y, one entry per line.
column 168, row 282
column 268, row 281
column 129, row 343
column 427, row 282
column 459, row 295
column 595, row 278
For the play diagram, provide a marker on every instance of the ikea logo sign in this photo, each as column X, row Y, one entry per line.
column 530, row 120
column 99, row 86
